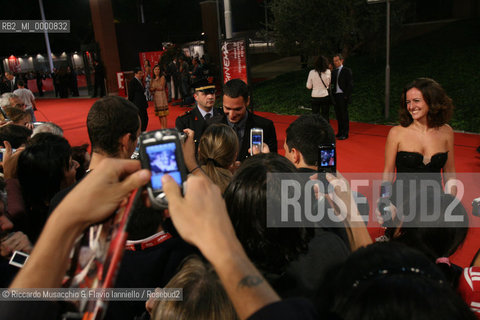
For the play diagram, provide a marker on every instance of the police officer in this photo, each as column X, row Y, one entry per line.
column 195, row 118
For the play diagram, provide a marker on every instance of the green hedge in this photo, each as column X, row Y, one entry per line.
column 450, row 55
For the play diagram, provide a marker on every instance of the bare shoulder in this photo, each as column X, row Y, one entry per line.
column 396, row 132
column 446, row 129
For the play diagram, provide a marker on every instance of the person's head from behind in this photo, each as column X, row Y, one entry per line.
column 10, row 99
column 81, row 155
column 389, row 281
column 425, row 97
column 15, row 135
column 236, row 99
column 303, row 137
column 45, row 167
column 271, row 249
column 204, row 297
column 47, row 127
column 218, row 148
column 21, row 84
column 113, row 127
column 321, row 64
column 18, row 116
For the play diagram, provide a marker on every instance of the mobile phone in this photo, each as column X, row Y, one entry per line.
column 476, row 207
column 18, row 259
column 385, row 190
column 2, row 151
column 256, row 139
column 161, row 153
column 327, row 158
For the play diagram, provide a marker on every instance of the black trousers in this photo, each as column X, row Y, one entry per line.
column 323, row 104
column 144, row 118
column 341, row 112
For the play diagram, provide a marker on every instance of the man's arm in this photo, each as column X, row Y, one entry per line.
column 99, row 194
column 201, row 218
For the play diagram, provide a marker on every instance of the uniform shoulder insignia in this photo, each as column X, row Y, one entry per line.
column 186, row 113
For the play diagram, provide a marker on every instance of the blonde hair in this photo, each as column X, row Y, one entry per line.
column 217, row 151
column 204, row 297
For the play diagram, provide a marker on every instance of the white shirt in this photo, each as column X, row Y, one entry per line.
column 26, row 95
column 315, row 83
column 204, row 113
column 337, row 88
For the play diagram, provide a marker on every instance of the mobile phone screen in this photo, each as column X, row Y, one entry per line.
column 19, row 258
column 327, row 158
column 256, row 139
column 163, row 159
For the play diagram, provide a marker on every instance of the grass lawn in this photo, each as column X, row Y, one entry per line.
column 450, row 55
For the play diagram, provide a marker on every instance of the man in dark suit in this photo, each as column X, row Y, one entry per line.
column 342, row 86
column 235, row 102
column 195, row 118
column 10, row 83
column 136, row 94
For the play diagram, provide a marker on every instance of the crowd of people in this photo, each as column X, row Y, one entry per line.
column 215, row 241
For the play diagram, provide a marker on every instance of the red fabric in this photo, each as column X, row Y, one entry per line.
column 363, row 151
column 469, row 288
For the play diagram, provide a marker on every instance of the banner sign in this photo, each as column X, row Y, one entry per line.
column 234, row 60
column 153, row 57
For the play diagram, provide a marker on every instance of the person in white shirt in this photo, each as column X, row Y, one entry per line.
column 319, row 82
column 27, row 97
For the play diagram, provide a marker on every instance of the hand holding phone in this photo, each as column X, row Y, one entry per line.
column 161, row 153
column 327, row 158
column 256, row 141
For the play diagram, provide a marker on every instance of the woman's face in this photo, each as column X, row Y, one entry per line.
column 416, row 105
column 156, row 71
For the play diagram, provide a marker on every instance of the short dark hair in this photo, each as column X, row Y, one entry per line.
column 308, row 132
column 236, row 88
column 20, row 83
column 16, row 135
column 108, row 120
column 271, row 249
column 321, row 64
column 137, row 70
column 42, row 166
column 440, row 106
column 339, row 55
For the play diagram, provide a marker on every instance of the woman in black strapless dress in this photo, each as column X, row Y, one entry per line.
column 421, row 147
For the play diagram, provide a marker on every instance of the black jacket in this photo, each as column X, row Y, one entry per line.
column 253, row 121
column 136, row 94
column 192, row 119
column 345, row 82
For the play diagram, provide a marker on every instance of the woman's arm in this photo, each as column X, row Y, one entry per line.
column 449, row 167
column 327, row 78
column 391, row 148
column 309, row 81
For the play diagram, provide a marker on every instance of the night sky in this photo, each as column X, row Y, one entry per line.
column 180, row 20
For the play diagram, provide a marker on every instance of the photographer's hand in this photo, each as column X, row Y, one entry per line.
column 188, row 148
column 94, row 199
column 201, row 218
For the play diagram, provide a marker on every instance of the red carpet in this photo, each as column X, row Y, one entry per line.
column 362, row 152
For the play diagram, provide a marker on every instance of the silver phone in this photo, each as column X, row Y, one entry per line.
column 256, row 139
